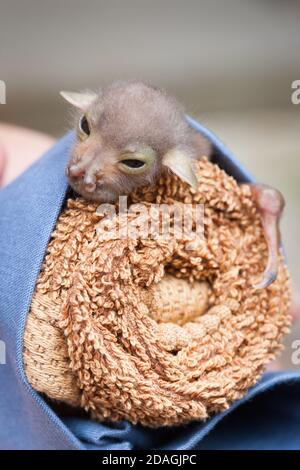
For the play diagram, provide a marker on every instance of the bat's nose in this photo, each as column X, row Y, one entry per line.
column 87, row 179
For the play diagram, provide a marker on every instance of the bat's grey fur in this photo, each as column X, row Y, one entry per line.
column 126, row 114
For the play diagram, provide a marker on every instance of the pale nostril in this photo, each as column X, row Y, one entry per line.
column 74, row 171
column 89, row 183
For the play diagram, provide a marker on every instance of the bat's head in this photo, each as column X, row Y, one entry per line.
column 126, row 136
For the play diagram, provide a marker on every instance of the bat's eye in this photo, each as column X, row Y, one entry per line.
column 84, row 126
column 135, row 163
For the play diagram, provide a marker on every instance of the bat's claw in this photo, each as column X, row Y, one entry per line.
column 267, row 279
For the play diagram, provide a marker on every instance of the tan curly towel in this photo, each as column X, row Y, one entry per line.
column 148, row 330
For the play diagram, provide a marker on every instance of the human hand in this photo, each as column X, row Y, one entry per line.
column 19, row 148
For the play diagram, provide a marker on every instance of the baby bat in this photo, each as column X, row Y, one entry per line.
column 129, row 134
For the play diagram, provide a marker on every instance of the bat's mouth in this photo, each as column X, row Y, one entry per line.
column 100, row 192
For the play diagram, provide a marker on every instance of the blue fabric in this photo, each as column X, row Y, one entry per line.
column 268, row 417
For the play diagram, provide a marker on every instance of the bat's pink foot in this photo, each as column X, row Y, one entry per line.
column 270, row 204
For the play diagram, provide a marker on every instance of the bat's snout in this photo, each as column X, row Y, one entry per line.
column 85, row 177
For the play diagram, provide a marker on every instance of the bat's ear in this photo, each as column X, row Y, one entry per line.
column 179, row 162
column 80, row 100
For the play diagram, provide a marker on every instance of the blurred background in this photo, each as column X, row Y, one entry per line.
column 232, row 64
